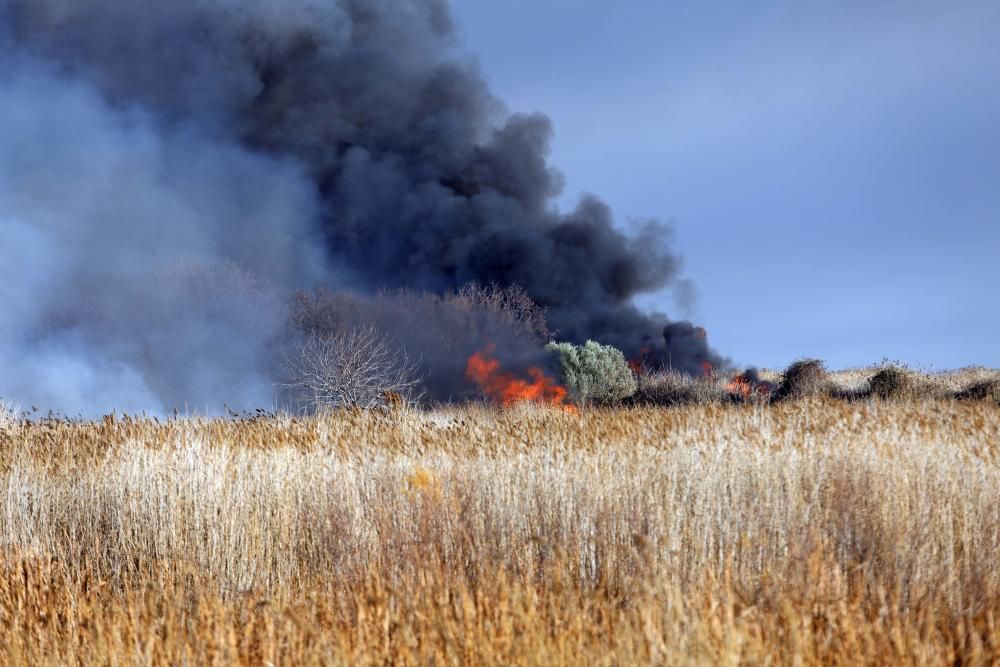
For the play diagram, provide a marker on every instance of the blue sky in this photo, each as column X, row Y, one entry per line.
column 831, row 169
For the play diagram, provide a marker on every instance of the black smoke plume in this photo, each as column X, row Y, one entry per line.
column 277, row 145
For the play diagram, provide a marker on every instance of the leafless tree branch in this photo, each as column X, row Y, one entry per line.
column 357, row 367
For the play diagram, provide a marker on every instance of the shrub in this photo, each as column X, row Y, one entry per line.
column 441, row 330
column 894, row 383
column 511, row 304
column 676, row 388
column 358, row 367
column 323, row 312
column 804, row 379
column 985, row 390
column 595, row 373
column 474, row 313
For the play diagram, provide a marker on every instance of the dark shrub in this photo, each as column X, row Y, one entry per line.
column 985, row 390
column 805, row 378
column 894, row 383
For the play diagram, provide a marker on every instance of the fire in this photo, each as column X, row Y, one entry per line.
column 506, row 388
column 638, row 365
column 740, row 385
column 745, row 387
column 707, row 368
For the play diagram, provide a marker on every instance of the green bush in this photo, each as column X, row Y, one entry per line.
column 595, row 373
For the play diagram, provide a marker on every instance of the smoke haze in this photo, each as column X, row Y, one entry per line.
column 172, row 172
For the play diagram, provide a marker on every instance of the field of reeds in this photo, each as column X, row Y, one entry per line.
column 801, row 532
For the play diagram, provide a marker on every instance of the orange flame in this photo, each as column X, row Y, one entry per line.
column 707, row 368
column 740, row 386
column 506, row 388
column 744, row 387
column 638, row 365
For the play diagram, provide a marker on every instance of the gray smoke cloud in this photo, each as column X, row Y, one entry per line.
column 172, row 171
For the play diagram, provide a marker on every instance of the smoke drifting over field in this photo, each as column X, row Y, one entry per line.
column 173, row 171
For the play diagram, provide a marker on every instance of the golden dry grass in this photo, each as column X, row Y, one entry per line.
column 953, row 381
column 801, row 533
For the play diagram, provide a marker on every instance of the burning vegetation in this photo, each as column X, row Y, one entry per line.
column 342, row 143
column 748, row 385
column 506, row 388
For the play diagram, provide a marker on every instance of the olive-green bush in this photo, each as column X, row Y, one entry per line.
column 595, row 373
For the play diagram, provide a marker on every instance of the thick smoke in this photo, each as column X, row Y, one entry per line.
column 172, row 171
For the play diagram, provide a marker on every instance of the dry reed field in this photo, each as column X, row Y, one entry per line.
column 800, row 533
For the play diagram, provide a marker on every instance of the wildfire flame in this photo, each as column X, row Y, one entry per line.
column 506, row 388
column 745, row 387
column 639, row 364
column 707, row 368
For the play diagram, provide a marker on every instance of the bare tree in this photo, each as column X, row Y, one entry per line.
column 358, row 367
column 510, row 302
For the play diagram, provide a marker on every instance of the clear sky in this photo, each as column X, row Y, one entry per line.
column 831, row 169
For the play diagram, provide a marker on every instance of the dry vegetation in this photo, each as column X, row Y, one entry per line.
column 940, row 384
column 804, row 532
